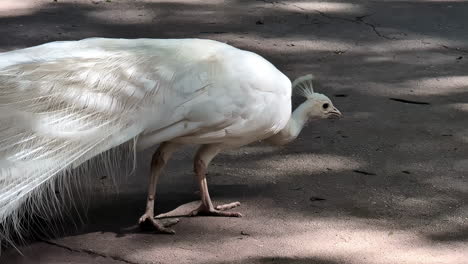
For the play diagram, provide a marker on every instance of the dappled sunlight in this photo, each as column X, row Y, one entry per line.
column 310, row 163
column 378, row 59
column 253, row 150
column 329, row 7
column 450, row 182
column 126, row 17
column 420, row 203
column 386, row 184
column 18, row 8
column 408, row 58
column 351, row 240
column 463, row 107
column 311, row 45
column 425, row 87
column 269, row 166
column 364, row 243
column 402, row 45
column 447, row 3
column 439, row 85
column 187, row 2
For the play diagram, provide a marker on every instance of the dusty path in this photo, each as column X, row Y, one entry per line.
column 392, row 175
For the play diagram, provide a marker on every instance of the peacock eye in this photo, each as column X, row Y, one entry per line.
column 325, row 106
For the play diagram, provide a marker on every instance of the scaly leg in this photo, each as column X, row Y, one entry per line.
column 159, row 159
column 202, row 159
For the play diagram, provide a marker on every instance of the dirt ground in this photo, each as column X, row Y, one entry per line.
column 386, row 184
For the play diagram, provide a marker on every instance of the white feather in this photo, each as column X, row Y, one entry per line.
column 304, row 86
column 64, row 103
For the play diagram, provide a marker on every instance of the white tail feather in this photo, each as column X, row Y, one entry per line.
column 56, row 116
column 65, row 103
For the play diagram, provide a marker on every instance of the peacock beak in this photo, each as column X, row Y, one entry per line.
column 335, row 114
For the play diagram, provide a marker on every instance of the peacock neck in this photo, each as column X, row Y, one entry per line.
column 298, row 119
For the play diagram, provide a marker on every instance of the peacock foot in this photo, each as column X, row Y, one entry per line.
column 218, row 211
column 147, row 221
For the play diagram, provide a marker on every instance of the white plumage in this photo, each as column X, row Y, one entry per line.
column 63, row 103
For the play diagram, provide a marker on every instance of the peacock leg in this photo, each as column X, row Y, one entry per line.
column 158, row 161
column 202, row 159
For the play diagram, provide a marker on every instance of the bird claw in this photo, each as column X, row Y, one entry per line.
column 168, row 222
column 147, row 220
column 219, row 211
column 228, row 206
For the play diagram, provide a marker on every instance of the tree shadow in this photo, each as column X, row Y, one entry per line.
column 286, row 260
column 360, row 62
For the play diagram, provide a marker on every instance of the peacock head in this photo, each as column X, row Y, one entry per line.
column 318, row 105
